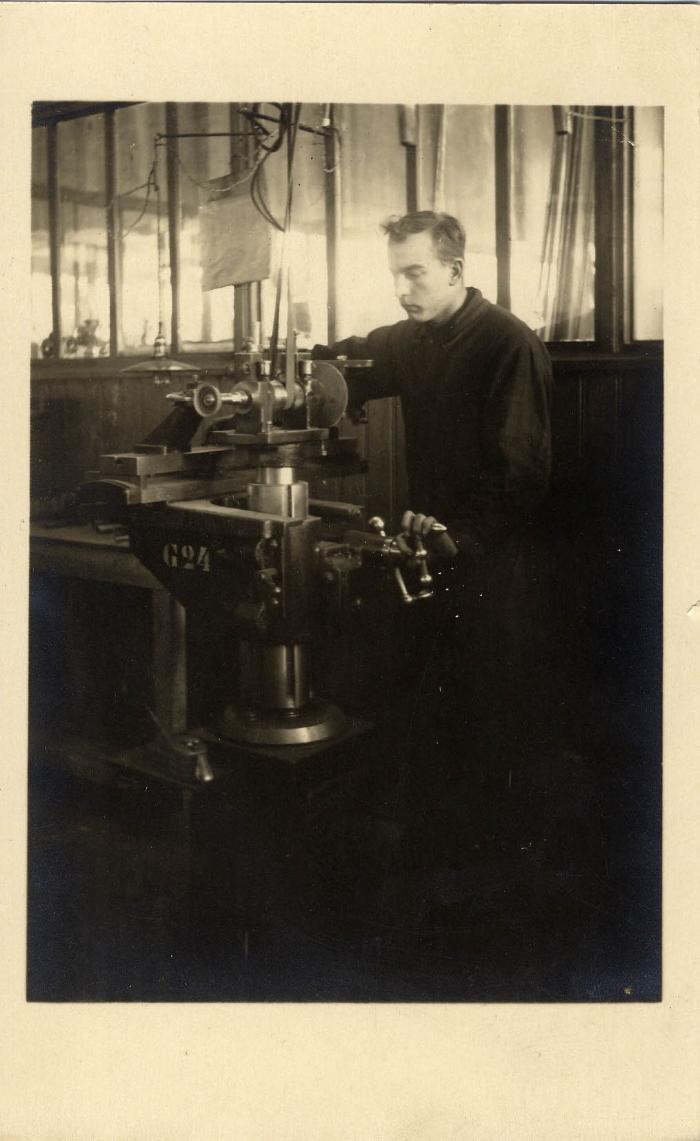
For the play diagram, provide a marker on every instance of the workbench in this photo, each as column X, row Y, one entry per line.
column 261, row 806
column 78, row 551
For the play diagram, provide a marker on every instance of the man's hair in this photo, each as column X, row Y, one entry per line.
column 447, row 233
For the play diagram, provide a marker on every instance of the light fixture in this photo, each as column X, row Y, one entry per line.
column 160, row 362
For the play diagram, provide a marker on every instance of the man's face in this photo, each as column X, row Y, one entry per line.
column 427, row 288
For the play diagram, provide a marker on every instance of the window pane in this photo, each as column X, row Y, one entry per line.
column 140, row 266
column 373, row 186
column 307, row 241
column 42, row 317
column 552, row 221
column 459, row 177
column 648, row 226
column 470, row 189
column 206, row 316
column 83, row 222
column 308, row 253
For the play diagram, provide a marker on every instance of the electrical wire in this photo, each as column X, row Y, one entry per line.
column 256, row 190
column 292, row 129
column 262, row 132
column 259, row 132
column 206, row 186
column 258, row 198
column 127, row 193
column 150, row 184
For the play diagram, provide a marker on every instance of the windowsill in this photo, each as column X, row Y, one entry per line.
column 589, row 355
column 581, row 356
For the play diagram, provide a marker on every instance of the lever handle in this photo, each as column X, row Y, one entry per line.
column 426, row 579
column 207, row 400
column 405, row 593
column 184, row 748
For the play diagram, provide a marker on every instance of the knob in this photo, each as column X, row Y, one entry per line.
column 207, row 400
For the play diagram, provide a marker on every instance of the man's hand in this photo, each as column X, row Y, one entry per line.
column 425, row 528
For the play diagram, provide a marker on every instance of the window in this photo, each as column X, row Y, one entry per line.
column 306, row 253
column 458, row 175
column 206, row 315
column 552, row 221
column 563, row 209
column 648, row 224
column 373, row 186
column 42, row 317
column 84, row 287
column 143, row 283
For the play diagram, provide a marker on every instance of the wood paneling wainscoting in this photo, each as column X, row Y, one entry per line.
column 607, row 425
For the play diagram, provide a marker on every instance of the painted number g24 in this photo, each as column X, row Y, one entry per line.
column 183, row 556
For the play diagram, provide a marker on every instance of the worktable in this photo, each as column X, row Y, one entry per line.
column 229, row 842
column 77, row 550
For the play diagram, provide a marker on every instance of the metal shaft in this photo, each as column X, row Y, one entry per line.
column 274, row 677
column 277, row 491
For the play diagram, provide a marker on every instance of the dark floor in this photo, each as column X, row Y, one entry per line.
column 543, row 885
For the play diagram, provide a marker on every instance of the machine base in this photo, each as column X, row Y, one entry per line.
column 317, row 721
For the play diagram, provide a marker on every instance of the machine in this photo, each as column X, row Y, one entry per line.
column 228, row 527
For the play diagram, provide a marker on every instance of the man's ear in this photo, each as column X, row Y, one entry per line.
column 456, row 271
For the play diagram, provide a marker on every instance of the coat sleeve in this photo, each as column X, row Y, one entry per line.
column 516, row 451
column 382, row 379
column 517, row 428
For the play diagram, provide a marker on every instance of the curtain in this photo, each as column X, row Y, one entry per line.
column 552, row 220
column 566, row 279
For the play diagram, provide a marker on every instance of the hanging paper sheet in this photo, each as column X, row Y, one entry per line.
column 236, row 239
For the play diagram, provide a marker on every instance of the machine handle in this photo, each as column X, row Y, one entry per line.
column 207, row 400
column 406, row 596
column 186, row 748
column 420, row 554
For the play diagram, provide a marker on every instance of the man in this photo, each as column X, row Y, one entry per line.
column 475, row 389
column 474, row 384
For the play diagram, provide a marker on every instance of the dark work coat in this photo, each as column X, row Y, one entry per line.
column 475, row 395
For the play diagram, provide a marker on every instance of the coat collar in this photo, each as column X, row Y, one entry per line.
column 458, row 324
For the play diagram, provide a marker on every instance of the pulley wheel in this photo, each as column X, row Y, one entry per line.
column 329, row 395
